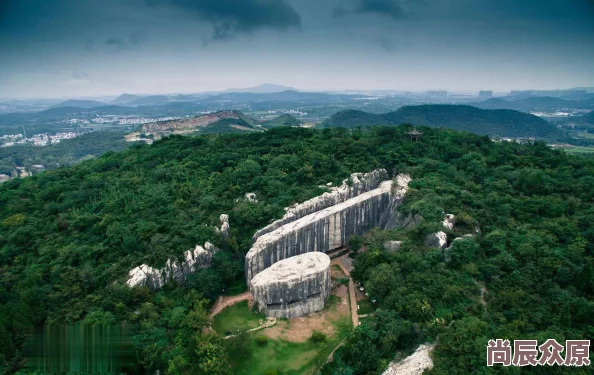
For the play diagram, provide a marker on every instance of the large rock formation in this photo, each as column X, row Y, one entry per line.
column 356, row 185
column 312, row 228
column 293, row 287
column 155, row 278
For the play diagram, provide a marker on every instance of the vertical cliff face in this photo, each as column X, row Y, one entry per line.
column 329, row 228
column 293, row 287
column 359, row 183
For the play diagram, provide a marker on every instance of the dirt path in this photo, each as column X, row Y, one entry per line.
column 352, row 293
column 223, row 302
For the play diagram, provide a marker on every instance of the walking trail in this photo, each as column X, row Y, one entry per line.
column 223, row 302
column 352, row 295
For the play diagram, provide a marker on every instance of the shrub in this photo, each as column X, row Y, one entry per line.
column 317, row 337
column 261, row 340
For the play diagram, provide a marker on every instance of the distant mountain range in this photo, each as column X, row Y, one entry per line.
column 500, row 122
column 125, row 99
column 539, row 103
column 79, row 103
column 265, row 88
column 588, row 118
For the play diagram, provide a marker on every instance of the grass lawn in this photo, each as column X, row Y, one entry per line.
column 237, row 317
column 287, row 358
column 365, row 307
column 279, row 354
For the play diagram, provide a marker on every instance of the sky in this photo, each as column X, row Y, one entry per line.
column 86, row 48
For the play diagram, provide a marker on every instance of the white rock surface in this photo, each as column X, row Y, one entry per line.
column 359, row 183
column 328, row 228
column 251, row 197
column 293, row 287
column 224, row 229
column 438, row 240
column 154, row 278
column 392, row 246
column 415, row 364
column 449, row 221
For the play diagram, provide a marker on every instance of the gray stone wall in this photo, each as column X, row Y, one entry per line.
column 329, row 228
column 293, row 287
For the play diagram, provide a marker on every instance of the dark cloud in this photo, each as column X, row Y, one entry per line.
column 390, row 8
column 232, row 17
column 126, row 43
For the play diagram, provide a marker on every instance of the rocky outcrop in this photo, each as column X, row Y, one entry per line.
column 414, row 364
column 449, row 221
column 330, row 227
column 154, row 278
column 392, row 246
column 440, row 239
column 251, row 197
column 357, row 184
column 437, row 240
column 224, row 229
column 293, row 287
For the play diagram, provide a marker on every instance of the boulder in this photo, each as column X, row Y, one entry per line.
column 392, row 246
column 293, row 287
column 438, row 240
column 449, row 221
column 224, row 229
column 251, row 197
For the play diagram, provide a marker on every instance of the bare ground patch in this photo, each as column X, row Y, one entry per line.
column 300, row 329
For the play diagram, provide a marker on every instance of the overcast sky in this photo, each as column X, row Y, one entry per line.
column 78, row 48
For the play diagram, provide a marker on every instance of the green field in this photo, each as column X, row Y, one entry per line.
column 276, row 356
column 579, row 150
column 237, row 317
column 365, row 307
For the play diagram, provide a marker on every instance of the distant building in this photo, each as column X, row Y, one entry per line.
column 521, row 93
column 437, row 93
column 485, row 94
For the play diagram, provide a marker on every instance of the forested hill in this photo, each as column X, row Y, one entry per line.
column 499, row 122
column 69, row 236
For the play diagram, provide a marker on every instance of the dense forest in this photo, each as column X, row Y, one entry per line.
column 496, row 122
column 69, row 236
column 66, row 153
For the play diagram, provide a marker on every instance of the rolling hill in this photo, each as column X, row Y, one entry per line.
column 79, row 103
column 588, row 118
column 282, row 120
column 499, row 122
column 541, row 103
column 218, row 122
column 265, row 88
column 125, row 99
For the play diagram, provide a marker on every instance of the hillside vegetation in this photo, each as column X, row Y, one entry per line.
column 68, row 238
column 502, row 123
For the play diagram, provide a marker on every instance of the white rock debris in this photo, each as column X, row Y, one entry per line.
column 415, row 364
